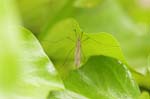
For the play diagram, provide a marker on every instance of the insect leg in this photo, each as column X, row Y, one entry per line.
column 69, row 38
column 99, row 42
column 65, row 60
column 82, row 54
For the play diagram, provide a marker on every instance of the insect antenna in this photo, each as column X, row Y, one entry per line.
column 76, row 35
column 98, row 41
column 57, row 41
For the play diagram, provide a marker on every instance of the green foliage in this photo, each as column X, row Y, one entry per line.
column 86, row 3
column 144, row 95
column 143, row 79
column 82, row 58
column 98, row 78
column 25, row 70
column 64, row 45
column 47, row 12
column 38, row 74
column 9, row 45
column 65, row 94
column 133, row 35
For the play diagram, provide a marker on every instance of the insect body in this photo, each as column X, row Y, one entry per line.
column 77, row 57
column 76, row 48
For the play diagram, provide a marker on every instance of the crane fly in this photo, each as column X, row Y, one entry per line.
column 78, row 49
column 78, row 55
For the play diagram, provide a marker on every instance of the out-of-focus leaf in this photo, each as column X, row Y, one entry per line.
column 138, row 10
column 48, row 12
column 144, row 95
column 9, row 45
column 66, row 94
column 38, row 75
column 87, row 3
column 98, row 79
column 110, row 17
column 141, row 73
column 60, row 43
column 143, row 79
column 25, row 70
column 38, row 14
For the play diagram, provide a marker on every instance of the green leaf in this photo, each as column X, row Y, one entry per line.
column 86, row 3
column 144, row 95
column 100, row 77
column 138, row 10
column 143, row 79
column 9, row 45
column 60, row 44
column 49, row 12
column 112, row 18
column 66, row 94
column 25, row 70
column 46, row 12
column 38, row 75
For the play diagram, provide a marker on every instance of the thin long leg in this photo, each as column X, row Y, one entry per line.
column 148, row 62
column 58, row 41
column 99, row 42
column 69, row 38
column 65, row 60
column 82, row 54
column 87, row 38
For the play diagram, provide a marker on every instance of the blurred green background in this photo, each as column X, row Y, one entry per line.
column 127, row 20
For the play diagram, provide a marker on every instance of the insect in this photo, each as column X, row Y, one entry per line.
column 78, row 53
column 77, row 56
column 77, row 47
